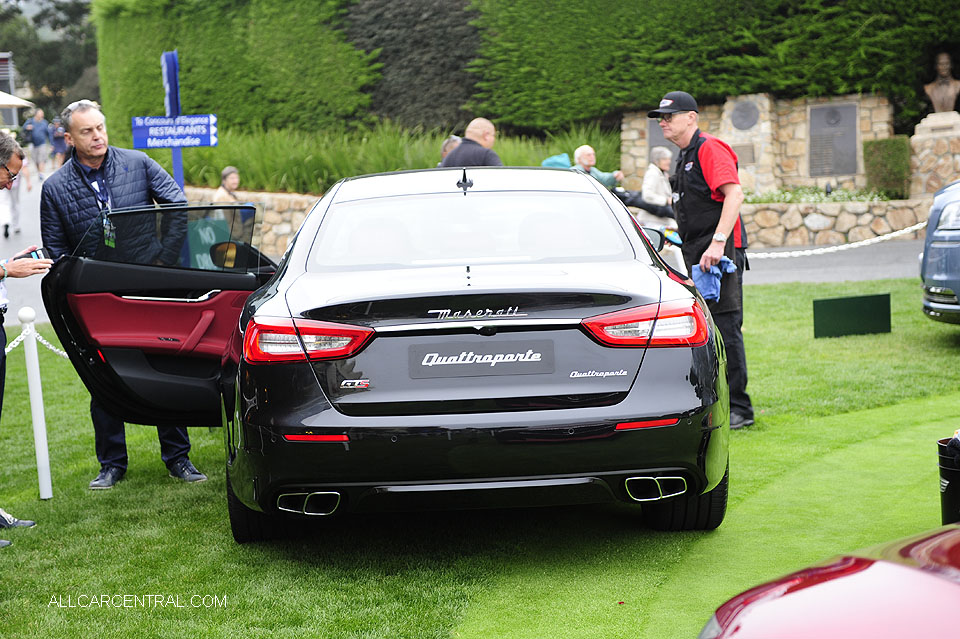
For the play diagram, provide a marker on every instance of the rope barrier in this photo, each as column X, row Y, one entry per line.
column 28, row 331
column 839, row 247
column 12, row 345
column 51, row 347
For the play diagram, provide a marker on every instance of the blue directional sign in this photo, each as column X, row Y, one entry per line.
column 161, row 132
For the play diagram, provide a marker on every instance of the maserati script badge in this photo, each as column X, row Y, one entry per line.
column 480, row 313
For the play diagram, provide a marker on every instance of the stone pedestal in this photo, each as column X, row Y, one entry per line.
column 935, row 153
column 747, row 126
column 937, row 124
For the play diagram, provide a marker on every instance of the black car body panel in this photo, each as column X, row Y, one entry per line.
column 150, row 341
column 495, row 336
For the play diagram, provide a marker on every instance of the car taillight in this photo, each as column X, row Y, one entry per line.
column 676, row 323
column 276, row 340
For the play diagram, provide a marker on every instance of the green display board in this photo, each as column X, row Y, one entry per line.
column 860, row 315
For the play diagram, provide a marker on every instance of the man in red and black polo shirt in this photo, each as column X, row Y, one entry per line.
column 706, row 199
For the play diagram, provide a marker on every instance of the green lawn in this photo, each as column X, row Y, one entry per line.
column 843, row 455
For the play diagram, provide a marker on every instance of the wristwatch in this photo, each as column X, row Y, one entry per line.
column 719, row 237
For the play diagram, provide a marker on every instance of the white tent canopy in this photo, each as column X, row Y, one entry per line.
column 11, row 101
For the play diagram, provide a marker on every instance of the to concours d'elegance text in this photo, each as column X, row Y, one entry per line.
column 137, row 601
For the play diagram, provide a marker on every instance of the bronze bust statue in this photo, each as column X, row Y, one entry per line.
column 943, row 91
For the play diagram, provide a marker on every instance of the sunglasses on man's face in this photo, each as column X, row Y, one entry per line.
column 10, row 174
column 666, row 117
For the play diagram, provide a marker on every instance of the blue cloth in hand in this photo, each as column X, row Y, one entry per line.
column 708, row 283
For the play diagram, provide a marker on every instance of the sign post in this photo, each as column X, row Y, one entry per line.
column 173, row 131
column 170, row 68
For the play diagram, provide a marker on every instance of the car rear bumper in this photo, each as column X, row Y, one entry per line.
column 412, row 468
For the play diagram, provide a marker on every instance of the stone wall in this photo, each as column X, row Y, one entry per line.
column 830, row 223
column 776, row 137
column 279, row 215
column 875, row 122
column 748, row 125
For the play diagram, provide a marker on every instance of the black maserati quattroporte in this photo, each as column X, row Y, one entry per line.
column 430, row 339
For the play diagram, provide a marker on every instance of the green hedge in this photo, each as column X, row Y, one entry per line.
column 530, row 65
column 255, row 63
column 887, row 165
column 543, row 64
column 424, row 47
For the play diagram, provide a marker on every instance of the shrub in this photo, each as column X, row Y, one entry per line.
column 887, row 164
column 535, row 65
column 814, row 195
column 424, row 47
column 312, row 161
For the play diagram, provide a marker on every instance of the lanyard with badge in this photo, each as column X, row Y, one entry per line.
column 103, row 201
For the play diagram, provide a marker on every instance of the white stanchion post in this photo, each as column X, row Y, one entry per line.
column 27, row 316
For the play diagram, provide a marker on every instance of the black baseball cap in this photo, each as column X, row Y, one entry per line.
column 674, row 102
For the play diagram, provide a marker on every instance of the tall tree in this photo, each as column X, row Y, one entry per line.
column 53, row 52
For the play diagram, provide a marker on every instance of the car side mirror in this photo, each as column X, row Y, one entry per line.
column 234, row 256
column 655, row 236
column 224, row 254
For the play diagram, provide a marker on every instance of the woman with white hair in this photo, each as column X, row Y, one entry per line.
column 656, row 182
column 657, row 199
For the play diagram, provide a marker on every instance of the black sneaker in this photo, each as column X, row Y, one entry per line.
column 185, row 470
column 739, row 421
column 9, row 521
column 4, row 543
column 107, row 478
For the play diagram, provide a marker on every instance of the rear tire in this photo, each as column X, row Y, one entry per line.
column 248, row 525
column 693, row 512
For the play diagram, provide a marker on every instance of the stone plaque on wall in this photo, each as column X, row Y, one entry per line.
column 833, row 140
column 744, row 153
column 745, row 115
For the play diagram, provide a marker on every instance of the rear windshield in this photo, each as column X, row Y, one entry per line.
column 479, row 228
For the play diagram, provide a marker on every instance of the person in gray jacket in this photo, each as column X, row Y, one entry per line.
column 94, row 180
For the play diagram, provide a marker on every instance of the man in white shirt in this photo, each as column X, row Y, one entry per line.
column 11, row 162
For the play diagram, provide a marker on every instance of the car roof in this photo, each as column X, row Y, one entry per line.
column 450, row 180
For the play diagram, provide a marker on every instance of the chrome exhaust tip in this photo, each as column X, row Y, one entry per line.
column 644, row 489
column 291, row 502
column 315, row 504
column 321, row 504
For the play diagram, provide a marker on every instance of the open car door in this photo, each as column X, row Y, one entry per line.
column 147, row 307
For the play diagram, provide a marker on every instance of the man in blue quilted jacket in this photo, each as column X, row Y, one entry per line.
column 78, row 197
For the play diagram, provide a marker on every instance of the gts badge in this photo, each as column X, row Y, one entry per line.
column 355, row 383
